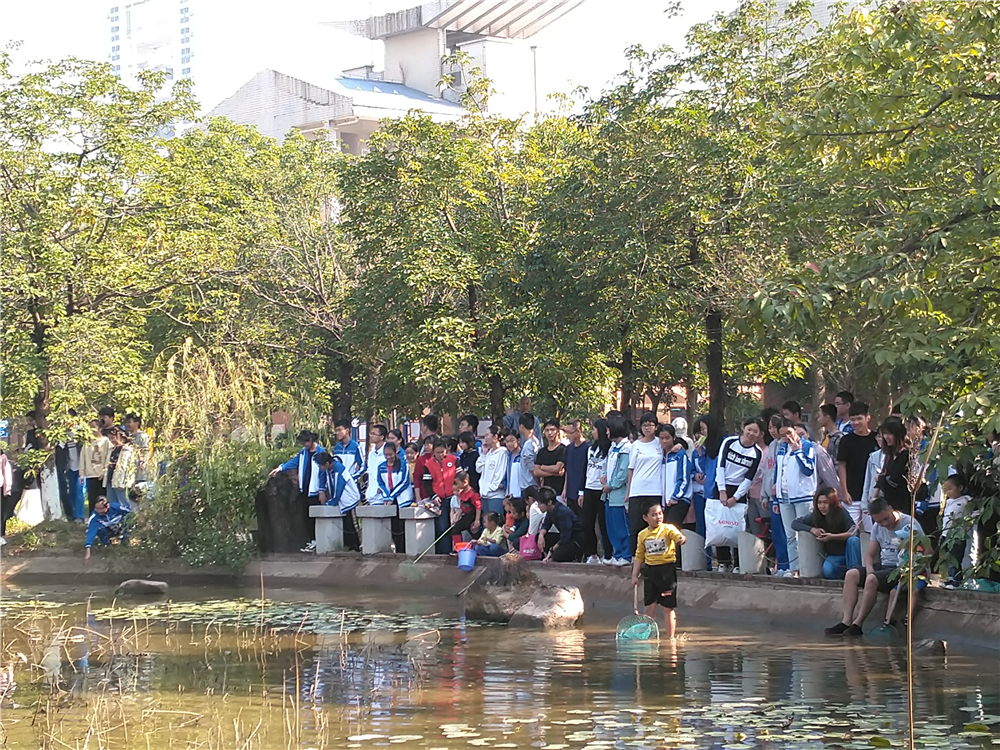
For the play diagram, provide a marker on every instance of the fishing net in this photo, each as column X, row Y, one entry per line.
column 638, row 628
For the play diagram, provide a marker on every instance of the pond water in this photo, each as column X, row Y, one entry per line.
column 206, row 671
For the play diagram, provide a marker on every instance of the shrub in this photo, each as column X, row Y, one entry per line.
column 202, row 509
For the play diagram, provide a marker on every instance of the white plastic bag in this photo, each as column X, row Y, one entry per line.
column 723, row 525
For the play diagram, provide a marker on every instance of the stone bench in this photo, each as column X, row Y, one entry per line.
column 693, row 555
column 752, row 557
column 376, row 527
column 810, row 555
column 329, row 528
column 418, row 526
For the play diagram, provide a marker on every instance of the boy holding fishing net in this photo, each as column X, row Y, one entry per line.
column 656, row 557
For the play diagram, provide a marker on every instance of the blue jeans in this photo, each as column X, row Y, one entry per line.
column 836, row 566
column 699, row 513
column 119, row 496
column 493, row 505
column 75, row 494
column 698, row 499
column 618, row 531
column 489, row 550
column 778, row 538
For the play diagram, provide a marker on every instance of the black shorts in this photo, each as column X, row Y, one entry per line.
column 882, row 575
column 659, row 585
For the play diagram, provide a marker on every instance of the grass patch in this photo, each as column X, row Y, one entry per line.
column 49, row 536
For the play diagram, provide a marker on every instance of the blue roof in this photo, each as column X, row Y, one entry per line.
column 396, row 89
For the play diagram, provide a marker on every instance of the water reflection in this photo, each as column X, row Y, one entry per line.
column 452, row 685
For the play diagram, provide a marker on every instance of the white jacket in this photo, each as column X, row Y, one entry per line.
column 376, row 457
column 875, row 460
column 795, row 473
column 124, row 476
column 492, row 468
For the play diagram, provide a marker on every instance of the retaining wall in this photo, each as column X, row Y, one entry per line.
column 964, row 617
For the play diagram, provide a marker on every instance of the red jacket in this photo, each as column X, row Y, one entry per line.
column 442, row 475
column 470, row 501
column 419, row 469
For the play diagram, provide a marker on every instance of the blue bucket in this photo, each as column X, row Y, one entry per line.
column 467, row 558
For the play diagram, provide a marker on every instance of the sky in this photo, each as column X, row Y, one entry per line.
column 584, row 48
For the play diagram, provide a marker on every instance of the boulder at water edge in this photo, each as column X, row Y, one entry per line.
column 141, row 587
column 501, row 589
column 550, row 607
column 508, row 591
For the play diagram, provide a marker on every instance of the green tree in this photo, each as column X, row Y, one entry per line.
column 77, row 146
column 664, row 225
column 897, row 139
column 441, row 217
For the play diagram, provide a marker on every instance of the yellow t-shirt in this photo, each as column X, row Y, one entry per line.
column 492, row 537
column 658, row 546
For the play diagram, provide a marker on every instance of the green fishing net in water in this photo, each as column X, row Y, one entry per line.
column 638, row 628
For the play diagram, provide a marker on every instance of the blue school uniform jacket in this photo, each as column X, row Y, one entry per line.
column 112, row 522
column 298, row 461
column 339, row 487
column 351, row 457
column 797, row 470
column 401, row 491
column 677, row 476
column 618, row 458
column 704, row 464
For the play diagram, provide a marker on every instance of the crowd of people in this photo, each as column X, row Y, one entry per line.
column 566, row 493
column 101, row 470
column 613, row 492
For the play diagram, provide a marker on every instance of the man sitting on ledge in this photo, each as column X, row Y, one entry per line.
column 108, row 520
column 875, row 577
column 561, row 537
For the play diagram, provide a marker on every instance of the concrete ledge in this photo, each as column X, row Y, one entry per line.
column 971, row 618
column 375, row 511
column 325, row 511
column 416, row 513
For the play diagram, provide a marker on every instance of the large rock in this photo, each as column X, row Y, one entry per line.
column 510, row 592
column 501, row 590
column 281, row 524
column 142, row 587
column 550, row 607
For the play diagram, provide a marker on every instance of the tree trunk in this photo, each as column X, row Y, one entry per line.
column 818, row 395
column 718, row 397
column 42, row 405
column 496, row 399
column 627, row 395
column 41, row 400
column 692, row 402
column 654, row 399
column 343, row 397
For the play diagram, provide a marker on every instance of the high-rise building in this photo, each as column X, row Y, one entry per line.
column 152, row 35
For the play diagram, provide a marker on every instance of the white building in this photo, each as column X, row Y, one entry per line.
column 151, row 35
column 495, row 34
column 347, row 108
